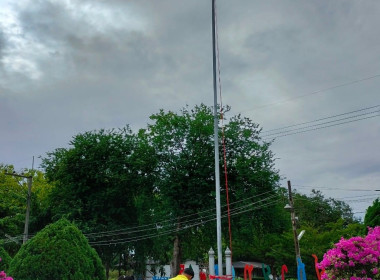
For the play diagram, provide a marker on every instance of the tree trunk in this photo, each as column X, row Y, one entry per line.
column 174, row 264
column 107, row 270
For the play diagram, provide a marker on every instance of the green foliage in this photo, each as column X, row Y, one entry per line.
column 372, row 215
column 94, row 179
column 183, row 145
column 98, row 181
column 59, row 251
column 185, row 180
column 315, row 241
column 13, row 193
column 13, row 197
column 163, row 176
column 317, row 211
column 5, row 259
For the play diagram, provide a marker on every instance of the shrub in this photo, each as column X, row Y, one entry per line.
column 356, row 258
column 59, row 251
column 5, row 259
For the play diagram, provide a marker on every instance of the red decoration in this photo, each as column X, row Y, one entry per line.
column 181, row 268
column 316, row 267
column 202, row 275
column 284, row 269
column 248, row 268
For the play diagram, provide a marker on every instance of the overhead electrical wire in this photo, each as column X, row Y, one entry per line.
column 196, row 220
column 152, row 226
column 194, row 224
column 314, row 92
column 340, row 121
column 176, row 218
column 334, row 188
column 174, row 229
column 326, row 118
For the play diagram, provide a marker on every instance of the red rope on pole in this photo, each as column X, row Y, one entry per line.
column 228, row 200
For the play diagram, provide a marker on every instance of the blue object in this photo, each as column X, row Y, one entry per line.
column 216, row 270
column 301, row 273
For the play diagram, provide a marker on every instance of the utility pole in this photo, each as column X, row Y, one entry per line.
column 29, row 179
column 290, row 207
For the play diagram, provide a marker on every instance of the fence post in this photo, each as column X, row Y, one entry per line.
column 228, row 262
column 211, row 263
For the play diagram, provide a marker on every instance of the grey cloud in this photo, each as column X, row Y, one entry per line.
column 2, row 44
column 139, row 56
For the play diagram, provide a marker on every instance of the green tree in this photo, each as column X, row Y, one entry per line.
column 317, row 211
column 13, row 202
column 13, row 194
column 325, row 221
column 254, row 190
column 59, row 251
column 184, row 177
column 97, row 182
column 372, row 215
column 185, row 181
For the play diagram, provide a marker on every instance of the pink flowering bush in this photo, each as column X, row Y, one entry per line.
column 357, row 258
column 3, row 275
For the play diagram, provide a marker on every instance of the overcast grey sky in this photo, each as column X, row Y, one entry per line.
column 69, row 66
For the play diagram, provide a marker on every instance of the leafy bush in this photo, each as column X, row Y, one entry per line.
column 356, row 258
column 5, row 259
column 59, row 251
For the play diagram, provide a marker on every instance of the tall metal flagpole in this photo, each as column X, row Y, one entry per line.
column 216, row 144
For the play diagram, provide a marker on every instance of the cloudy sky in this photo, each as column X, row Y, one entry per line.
column 307, row 71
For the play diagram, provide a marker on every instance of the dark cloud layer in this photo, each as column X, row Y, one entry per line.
column 72, row 66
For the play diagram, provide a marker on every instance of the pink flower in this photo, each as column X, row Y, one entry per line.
column 354, row 256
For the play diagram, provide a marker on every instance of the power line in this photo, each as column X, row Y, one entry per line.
column 314, row 92
column 308, row 128
column 162, row 222
column 281, row 128
column 168, row 222
column 148, row 236
column 195, row 223
column 173, row 228
column 334, row 188
column 196, row 220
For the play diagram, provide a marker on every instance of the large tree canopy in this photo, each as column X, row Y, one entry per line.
column 185, row 181
column 152, row 194
column 97, row 181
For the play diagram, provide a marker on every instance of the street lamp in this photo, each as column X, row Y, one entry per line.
column 300, row 235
